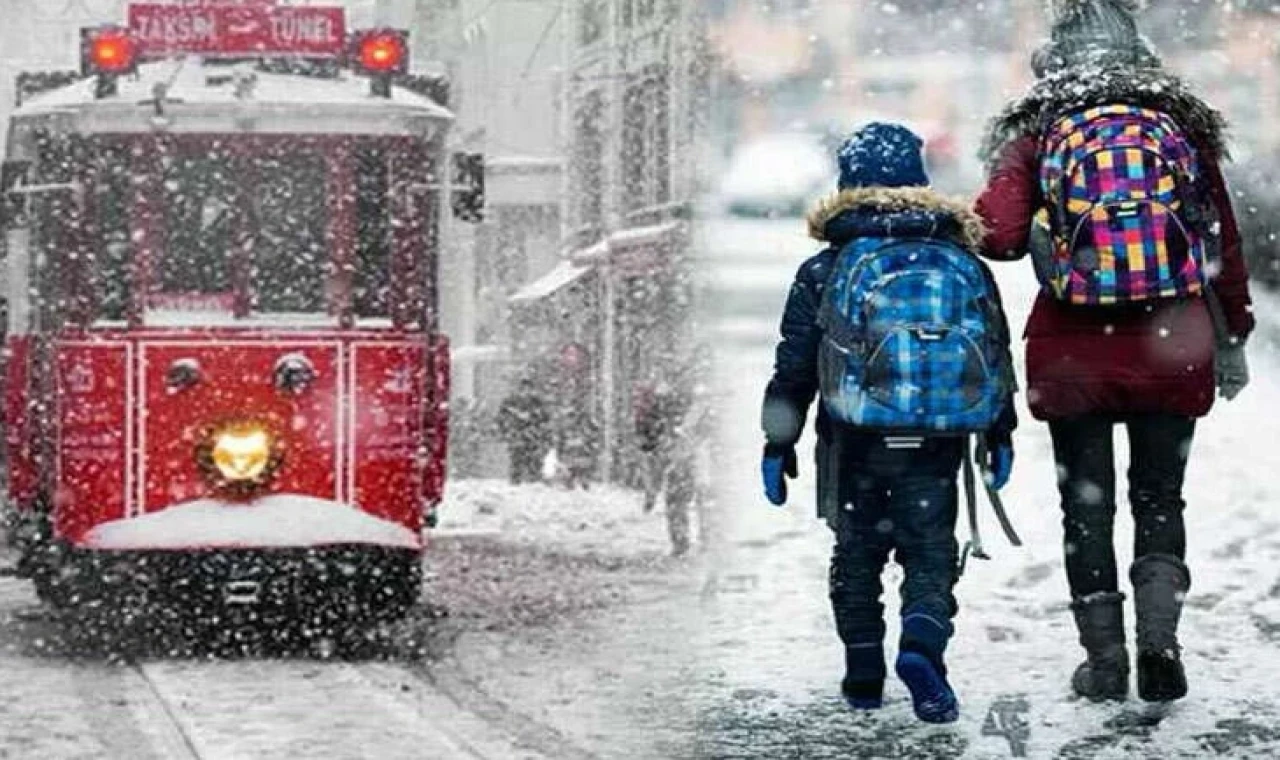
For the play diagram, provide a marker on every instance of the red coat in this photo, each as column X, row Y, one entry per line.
column 1143, row 358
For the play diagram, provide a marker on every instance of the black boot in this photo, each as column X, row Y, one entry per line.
column 1160, row 583
column 1105, row 673
column 864, row 673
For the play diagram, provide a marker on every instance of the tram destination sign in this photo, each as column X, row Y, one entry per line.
column 229, row 31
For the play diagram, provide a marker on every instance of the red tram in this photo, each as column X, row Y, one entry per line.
column 225, row 381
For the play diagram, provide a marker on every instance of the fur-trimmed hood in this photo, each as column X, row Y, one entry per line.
column 1077, row 87
column 884, row 212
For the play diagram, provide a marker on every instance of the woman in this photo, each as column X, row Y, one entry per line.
column 1149, row 365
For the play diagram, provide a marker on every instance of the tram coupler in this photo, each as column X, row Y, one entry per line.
column 242, row 593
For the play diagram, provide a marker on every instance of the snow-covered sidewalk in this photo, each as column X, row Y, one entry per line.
column 604, row 520
column 772, row 660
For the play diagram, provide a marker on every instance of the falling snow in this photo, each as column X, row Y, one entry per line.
column 599, row 204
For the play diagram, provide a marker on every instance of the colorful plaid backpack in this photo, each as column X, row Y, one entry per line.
column 914, row 340
column 1125, row 216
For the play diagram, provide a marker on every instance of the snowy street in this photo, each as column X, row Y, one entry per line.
column 61, row 703
column 773, row 660
column 555, row 625
column 452, row 681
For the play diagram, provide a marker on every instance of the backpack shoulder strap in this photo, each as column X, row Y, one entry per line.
column 997, row 504
column 833, row 325
column 1217, row 315
column 974, row 547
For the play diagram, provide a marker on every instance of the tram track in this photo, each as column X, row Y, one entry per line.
column 159, row 719
column 195, row 709
column 269, row 708
column 448, row 688
column 404, row 692
column 539, row 739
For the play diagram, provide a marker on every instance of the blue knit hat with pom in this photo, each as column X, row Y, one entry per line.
column 882, row 155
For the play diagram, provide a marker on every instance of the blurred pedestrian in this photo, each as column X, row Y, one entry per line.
column 1107, row 173
column 654, row 415
column 875, row 323
column 672, row 425
column 577, row 432
column 577, row 444
column 524, row 422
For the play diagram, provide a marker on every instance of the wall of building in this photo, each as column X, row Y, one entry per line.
column 503, row 59
column 634, row 90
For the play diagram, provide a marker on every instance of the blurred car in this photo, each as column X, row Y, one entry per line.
column 779, row 174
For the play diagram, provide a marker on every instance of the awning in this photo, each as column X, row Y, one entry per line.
column 643, row 251
column 654, row 234
column 565, row 274
column 488, row 352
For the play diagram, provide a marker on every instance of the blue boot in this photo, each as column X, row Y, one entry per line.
column 920, row 666
column 863, row 684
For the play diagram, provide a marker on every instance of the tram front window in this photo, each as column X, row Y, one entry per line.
column 290, row 251
column 244, row 229
column 203, row 222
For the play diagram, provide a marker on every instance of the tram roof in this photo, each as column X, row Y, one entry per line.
column 201, row 97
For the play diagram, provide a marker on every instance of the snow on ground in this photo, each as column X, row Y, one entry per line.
column 37, row 715
column 567, row 616
column 774, row 662
column 604, row 520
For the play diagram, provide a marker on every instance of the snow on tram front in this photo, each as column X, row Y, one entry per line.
column 226, row 384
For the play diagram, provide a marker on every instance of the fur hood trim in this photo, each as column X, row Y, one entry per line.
column 897, row 200
column 1074, row 88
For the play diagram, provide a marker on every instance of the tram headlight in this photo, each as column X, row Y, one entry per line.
column 239, row 455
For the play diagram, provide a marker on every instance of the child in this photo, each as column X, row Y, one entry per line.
column 887, row 472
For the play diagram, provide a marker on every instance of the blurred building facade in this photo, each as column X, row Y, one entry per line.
column 945, row 66
column 585, row 111
column 503, row 61
column 633, row 90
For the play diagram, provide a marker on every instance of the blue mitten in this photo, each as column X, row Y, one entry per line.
column 778, row 463
column 999, row 461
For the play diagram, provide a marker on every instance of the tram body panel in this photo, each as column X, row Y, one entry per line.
column 387, row 430
column 236, row 386
column 128, row 436
column 94, row 435
column 21, row 419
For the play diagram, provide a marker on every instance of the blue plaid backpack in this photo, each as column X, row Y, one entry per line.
column 913, row 339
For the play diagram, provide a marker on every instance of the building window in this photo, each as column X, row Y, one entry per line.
column 643, row 13
column 588, row 160
column 593, row 17
column 646, row 141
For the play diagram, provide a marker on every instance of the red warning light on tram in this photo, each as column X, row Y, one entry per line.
column 383, row 51
column 109, row 50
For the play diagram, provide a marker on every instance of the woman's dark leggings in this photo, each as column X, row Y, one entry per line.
column 1159, row 446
